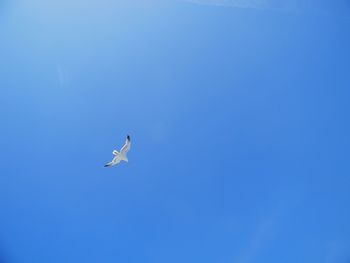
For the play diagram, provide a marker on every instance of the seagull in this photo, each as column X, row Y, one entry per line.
column 120, row 156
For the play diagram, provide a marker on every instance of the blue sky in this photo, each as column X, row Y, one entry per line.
column 238, row 115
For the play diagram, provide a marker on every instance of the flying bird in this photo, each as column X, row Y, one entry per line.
column 120, row 156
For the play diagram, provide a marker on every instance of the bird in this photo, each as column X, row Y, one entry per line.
column 122, row 155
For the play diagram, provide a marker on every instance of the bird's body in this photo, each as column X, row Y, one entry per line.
column 122, row 155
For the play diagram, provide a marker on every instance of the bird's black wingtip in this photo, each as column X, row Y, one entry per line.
column 128, row 137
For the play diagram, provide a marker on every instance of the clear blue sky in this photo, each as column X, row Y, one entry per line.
column 239, row 117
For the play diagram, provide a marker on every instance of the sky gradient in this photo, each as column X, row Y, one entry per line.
column 239, row 119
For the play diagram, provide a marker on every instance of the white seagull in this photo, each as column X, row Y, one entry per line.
column 120, row 156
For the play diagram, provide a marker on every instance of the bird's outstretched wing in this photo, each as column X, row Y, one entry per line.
column 115, row 161
column 126, row 146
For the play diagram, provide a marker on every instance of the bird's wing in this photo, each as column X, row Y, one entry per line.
column 115, row 161
column 126, row 146
column 109, row 164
